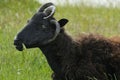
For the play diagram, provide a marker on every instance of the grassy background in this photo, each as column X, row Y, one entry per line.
column 31, row 64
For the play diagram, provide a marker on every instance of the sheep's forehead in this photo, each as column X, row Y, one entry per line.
column 38, row 16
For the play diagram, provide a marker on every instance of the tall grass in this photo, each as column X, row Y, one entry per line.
column 15, row 65
column 31, row 64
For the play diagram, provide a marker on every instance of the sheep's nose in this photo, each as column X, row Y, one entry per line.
column 16, row 40
column 18, row 44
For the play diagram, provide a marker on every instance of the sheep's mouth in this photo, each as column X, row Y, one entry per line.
column 19, row 45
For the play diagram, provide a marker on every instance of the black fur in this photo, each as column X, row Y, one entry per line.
column 88, row 56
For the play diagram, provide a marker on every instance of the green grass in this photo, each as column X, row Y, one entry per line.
column 31, row 64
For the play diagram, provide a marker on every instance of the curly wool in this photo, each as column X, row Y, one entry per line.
column 88, row 56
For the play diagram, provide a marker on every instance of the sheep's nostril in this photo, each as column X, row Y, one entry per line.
column 16, row 42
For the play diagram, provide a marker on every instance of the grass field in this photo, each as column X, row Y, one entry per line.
column 31, row 64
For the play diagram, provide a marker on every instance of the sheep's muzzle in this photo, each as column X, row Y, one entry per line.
column 18, row 44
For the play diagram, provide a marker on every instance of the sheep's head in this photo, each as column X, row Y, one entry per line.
column 41, row 29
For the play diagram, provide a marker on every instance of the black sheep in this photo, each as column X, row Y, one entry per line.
column 88, row 56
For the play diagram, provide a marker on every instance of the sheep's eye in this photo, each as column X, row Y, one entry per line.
column 43, row 26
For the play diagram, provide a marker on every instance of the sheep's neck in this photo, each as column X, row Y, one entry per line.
column 55, row 50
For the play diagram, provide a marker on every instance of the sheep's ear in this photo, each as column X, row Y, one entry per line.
column 62, row 22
